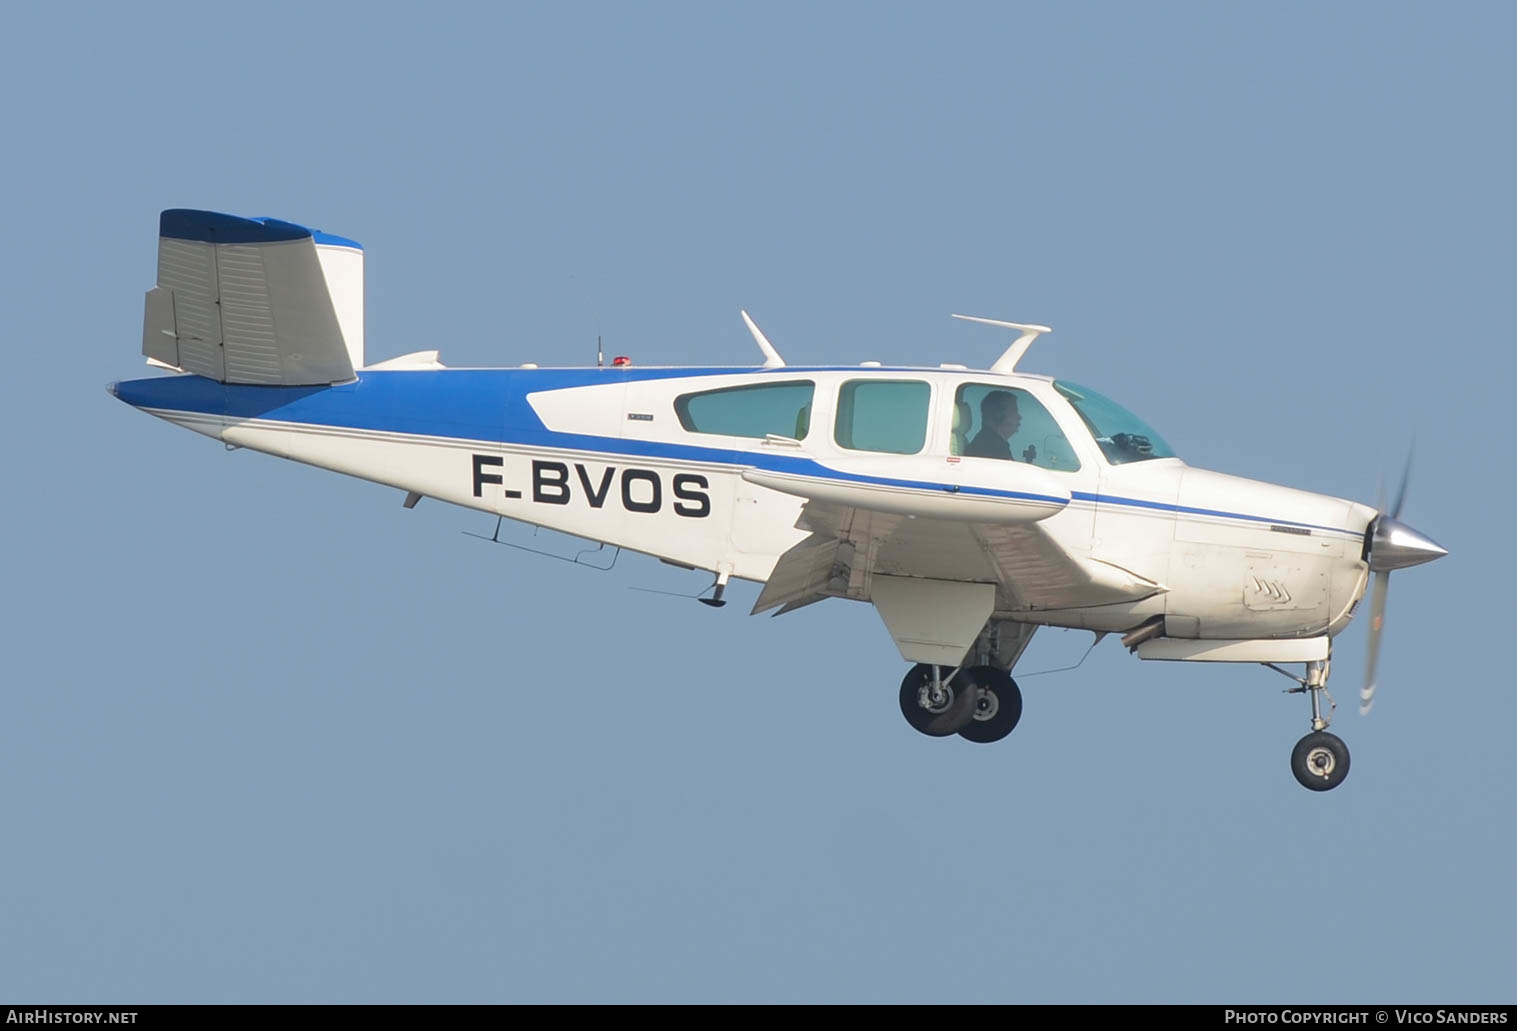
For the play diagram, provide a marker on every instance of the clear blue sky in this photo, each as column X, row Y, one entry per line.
column 266, row 736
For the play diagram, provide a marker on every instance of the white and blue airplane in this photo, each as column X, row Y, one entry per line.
column 969, row 507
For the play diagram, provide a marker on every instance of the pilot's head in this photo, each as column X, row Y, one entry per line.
column 998, row 412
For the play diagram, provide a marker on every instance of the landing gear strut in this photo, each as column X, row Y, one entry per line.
column 979, row 702
column 937, row 700
column 1319, row 760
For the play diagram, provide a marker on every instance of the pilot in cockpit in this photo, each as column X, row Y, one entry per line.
column 999, row 421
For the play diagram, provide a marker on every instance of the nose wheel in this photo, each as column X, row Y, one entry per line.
column 1320, row 761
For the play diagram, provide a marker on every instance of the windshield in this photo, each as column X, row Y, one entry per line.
column 1122, row 436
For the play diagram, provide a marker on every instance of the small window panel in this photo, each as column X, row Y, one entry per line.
column 759, row 410
column 888, row 416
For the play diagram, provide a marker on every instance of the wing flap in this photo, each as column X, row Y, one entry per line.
column 1033, row 570
column 800, row 574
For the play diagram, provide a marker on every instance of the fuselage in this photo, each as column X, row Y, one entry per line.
column 711, row 469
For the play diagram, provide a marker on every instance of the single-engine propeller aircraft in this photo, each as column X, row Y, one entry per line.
column 970, row 507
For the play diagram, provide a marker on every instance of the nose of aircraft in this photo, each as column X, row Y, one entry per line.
column 1397, row 546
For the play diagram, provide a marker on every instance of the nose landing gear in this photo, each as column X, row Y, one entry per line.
column 1320, row 760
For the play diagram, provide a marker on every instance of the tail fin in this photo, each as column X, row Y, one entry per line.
column 254, row 301
column 342, row 267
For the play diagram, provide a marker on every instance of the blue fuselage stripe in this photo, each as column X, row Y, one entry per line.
column 490, row 405
column 1162, row 506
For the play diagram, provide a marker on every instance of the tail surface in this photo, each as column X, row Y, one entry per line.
column 255, row 301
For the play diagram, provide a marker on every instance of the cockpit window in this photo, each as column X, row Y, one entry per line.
column 992, row 421
column 1121, row 435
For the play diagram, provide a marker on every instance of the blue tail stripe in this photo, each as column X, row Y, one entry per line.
column 215, row 227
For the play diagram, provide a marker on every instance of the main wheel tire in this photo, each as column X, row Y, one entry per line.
column 940, row 720
column 1320, row 761
column 998, row 705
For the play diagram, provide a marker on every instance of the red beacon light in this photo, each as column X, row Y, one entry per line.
column 621, row 360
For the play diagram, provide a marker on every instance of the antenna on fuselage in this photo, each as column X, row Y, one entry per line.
column 600, row 356
column 1008, row 361
column 772, row 359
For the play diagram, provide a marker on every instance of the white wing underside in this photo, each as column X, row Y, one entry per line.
column 849, row 545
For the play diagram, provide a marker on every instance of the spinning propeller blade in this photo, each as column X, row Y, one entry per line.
column 1393, row 545
column 1377, row 624
column 1406, row 477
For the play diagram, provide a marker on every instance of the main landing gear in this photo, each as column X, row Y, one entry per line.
column 1319, row 760
column 978, row 703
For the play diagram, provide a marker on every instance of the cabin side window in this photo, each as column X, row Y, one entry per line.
column 758, row 410
column 1003, row 422
column 883, row 415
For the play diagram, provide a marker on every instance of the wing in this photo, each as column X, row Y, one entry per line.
column 849, row 545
